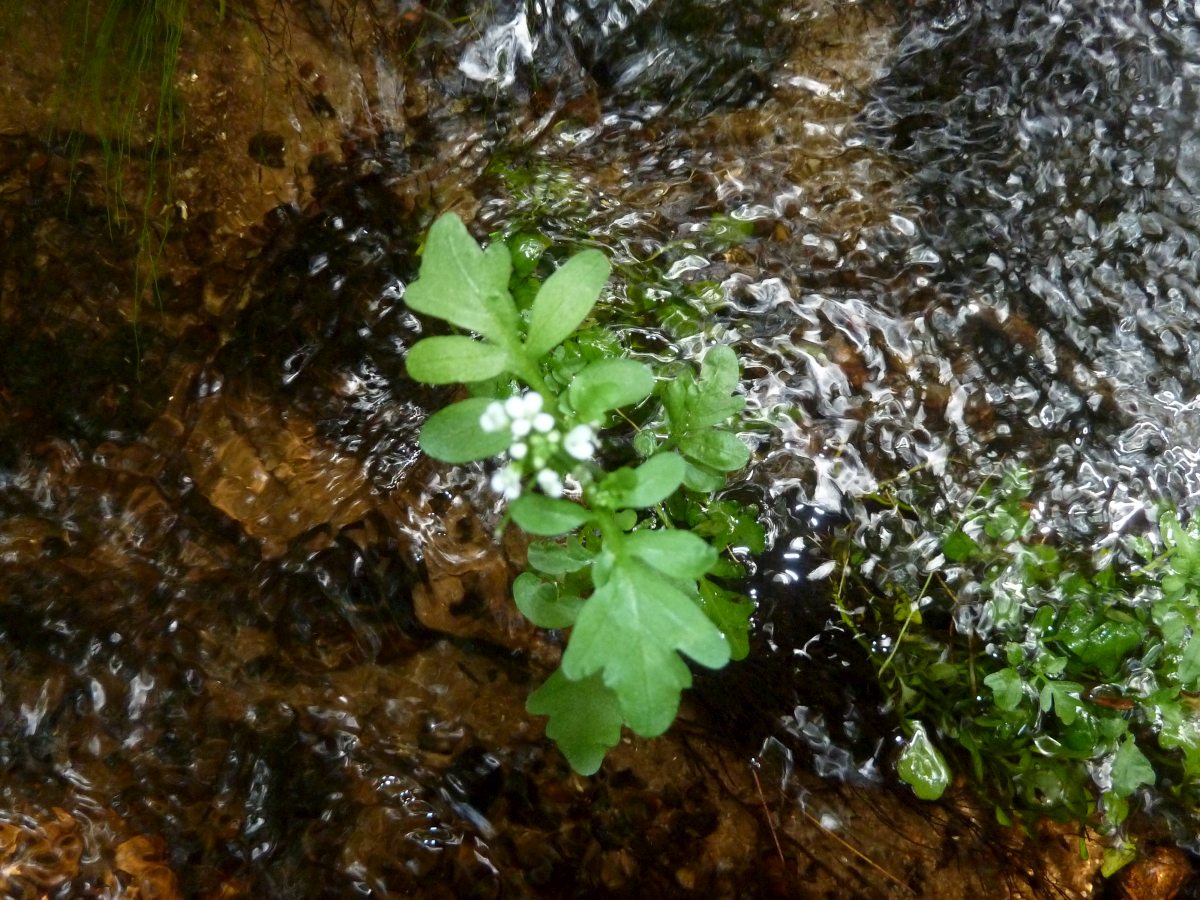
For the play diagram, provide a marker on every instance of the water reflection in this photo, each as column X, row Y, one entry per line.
column 252, row 641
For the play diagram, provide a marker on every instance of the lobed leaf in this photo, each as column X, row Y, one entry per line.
column 453, row 434
column 1130, row 769
column 1107, row 644
column 630, row 630
column 696, row 404
column 958, row 546
column 1007, row 688
column 585, row 718
column 542, row 604
column 464, row 285
column 731, row 613
column 564, row 301
column 1064, row 696
column 715, row 399
column 454, row 359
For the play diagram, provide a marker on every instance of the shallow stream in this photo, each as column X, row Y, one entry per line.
column 253, row 644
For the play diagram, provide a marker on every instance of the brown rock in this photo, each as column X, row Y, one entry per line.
column 1160, row 875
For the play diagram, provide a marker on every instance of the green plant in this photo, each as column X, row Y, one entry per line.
column 634, row 567
column 1065, row 687
column 125, row 61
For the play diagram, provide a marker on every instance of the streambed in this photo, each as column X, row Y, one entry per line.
column 255, row 645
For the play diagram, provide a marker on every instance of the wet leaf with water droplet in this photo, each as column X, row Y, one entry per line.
column 922, row 766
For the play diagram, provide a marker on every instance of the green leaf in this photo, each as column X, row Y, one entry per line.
column 679, row 554
column 557, row 559
column 1108, row 643
column 715, row 401
column 565, row 300
column 1007, row 522
column 540, row 602
column 652, row 482
column 959, row 546
column 1007, row 687
column 585, row 718
column 702, row 480
column 1116, row 809
column 630, row 629
column 1174, row 586
column 526, row 250
column 1115, row 859
column 547, row 516
column 1189, row 664
column 609, row 384
column 1139, row 544
column 463, row 285
column 1016, row 483
column 730, row 612
column 725, row 230
column 453, row 434
column 645, row 442
column 454, row 359
column 1130, row 768
column 656, row 480
column 922, row 767
column 1065, row 698
column 719, row 450
column 694, row 405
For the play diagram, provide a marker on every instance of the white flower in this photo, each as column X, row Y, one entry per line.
column 523, row 414
column 494, row 418
column 580, row 442
column 518, row 450
column 507, row 482
column 550, row 483
column 515, row 406
column 524, row 406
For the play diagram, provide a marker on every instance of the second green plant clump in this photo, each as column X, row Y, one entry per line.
column 637, row 538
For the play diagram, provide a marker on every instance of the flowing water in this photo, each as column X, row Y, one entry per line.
column 255, row 645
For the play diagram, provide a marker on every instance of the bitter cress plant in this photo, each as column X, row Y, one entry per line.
column 636, row 590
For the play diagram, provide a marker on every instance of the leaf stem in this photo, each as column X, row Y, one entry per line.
column 912, row 611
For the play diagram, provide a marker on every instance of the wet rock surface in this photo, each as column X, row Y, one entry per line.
column 251, row 644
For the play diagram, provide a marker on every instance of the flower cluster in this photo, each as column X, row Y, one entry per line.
column 537, row 442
